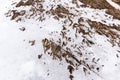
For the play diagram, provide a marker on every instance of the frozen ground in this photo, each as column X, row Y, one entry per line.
column 19, row 60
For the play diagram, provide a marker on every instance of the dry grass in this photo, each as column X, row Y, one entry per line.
column 59, row 53
column 97, row 4
column 103, row 4
column 114, row 12
column 116, row 1
column 36, row 8
column 109, row 31
column 60, row 11
column 58, row 50
column 27, row 3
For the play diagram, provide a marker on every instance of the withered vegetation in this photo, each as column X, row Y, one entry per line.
column 57, row 52
column 114, row 12
column 27, row 3
column 103, row 4
column 17, row 14
column 97, row 4
column 116, row 1
column 65, row 48
column 36, row 9
column 109, row 31
column 60, row 11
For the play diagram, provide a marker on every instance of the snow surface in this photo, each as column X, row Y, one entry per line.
column 113, row 4
column 18, row 60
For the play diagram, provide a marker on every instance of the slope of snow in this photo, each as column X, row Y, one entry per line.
column 19, row 60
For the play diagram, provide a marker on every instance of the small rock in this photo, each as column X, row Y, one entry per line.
column 22, row 29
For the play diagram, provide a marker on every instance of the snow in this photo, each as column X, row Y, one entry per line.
column 113, row 4
column 18, row 60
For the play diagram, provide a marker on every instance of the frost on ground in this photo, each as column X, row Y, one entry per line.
column 60, row 40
